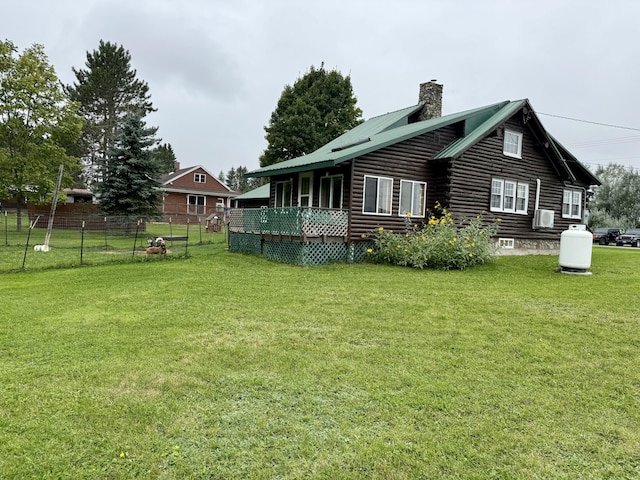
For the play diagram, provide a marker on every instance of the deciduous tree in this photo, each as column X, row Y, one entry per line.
column 319, row 107
column 37, row 123
column 617, row 200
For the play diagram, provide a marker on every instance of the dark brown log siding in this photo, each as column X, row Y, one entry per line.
column 471, row 183
column 463, row 185
column 408, row 160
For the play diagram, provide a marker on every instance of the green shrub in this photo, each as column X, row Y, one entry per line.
column 437, row 243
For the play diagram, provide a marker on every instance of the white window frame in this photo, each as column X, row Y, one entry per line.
column 509, row 146
column 309, row 195
column 279, row 201
column 385, row 210
column 572, row 203
column 418, row 211
column 510, row 195
column 507, row 243
column 329, row 202
column 199, row 178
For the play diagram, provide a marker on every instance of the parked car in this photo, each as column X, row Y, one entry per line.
column 630, row 237
column 604, row 236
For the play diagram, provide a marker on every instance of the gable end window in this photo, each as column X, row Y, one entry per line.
column 571, row 204
column 509, row 196
column 377, row 195
column 200, row 178
column 412, row 198
column 512, row 144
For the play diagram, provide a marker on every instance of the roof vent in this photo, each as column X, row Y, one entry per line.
column 348, row 145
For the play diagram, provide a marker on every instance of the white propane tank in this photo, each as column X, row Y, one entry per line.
column 576, row 244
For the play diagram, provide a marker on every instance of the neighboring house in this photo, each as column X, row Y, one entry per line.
column 79, row 195
column 256, row 198
column 194, row 193
column 497, row 160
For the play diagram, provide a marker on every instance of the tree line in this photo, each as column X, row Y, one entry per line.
column 96, row 128
column 616, row 203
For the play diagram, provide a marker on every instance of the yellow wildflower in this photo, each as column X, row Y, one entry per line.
column 122, row 455
column 363, row 236
column 369, row 250
column 408, row 214
column 498, row 220
column 471, row 254
column 380, row 229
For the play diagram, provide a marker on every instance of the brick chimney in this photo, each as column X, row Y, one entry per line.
column 431, row 95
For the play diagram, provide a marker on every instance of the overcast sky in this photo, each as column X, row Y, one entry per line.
column 216, row 68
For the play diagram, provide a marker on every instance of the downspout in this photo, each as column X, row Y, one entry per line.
column 350, row 204
column 537, row 194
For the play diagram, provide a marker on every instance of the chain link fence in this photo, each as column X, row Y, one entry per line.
column 76, row 240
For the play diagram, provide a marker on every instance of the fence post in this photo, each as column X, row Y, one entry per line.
column 82, row 242
column 6, row 232
column 200, row 226
column 33, row 224
column 106, row 247
column 135, row 240
column 186, row 244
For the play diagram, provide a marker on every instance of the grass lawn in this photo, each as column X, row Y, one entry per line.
column 228, row 366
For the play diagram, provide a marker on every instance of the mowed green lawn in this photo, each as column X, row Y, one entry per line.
column 228, row 366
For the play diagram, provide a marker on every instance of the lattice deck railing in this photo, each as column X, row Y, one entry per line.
column 291, row 221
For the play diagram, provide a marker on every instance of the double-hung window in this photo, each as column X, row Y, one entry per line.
column 509, row 196
column 199, row 178
column 572, row 204
column 331, row 191
column 512, row 144
column 305, row 190
column 283, row 194
column 412, row 198
column 378, row 192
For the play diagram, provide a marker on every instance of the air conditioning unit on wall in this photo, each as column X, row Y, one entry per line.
column 543, row 219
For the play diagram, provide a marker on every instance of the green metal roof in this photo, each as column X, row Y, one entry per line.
column 372, row 135
column 394, row 127
column 479, row 127
column 255, row 194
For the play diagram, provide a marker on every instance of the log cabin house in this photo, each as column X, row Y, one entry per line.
column 497, row 160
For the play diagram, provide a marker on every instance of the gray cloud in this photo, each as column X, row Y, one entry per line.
column 216, row 68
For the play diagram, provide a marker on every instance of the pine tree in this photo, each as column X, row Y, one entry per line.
column 318, row 108
column 107, row 91
column 129, row 186
column 165, row 158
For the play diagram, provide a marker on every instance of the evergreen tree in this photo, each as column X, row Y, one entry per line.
column 129, row 186
column 37, row 124
column 107, row 91
column 319, row 107
column 165, row 158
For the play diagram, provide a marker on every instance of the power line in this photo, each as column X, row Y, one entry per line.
column 587, row 121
